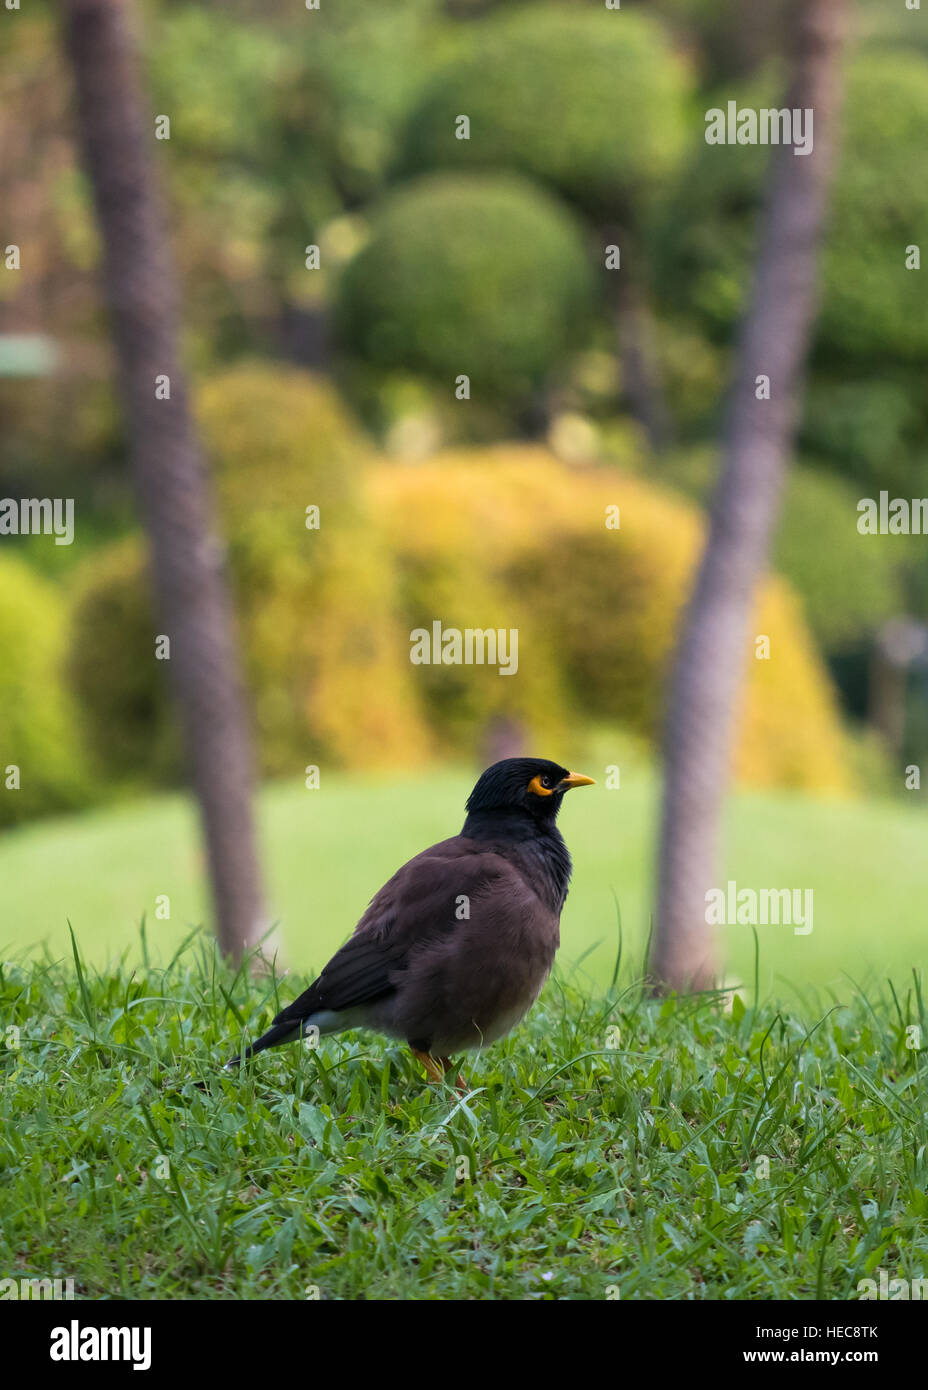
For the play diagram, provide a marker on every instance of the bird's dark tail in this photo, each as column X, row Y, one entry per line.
column 277, row 1034
column 286, row 1027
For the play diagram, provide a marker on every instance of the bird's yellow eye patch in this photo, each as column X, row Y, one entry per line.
column 536, row 786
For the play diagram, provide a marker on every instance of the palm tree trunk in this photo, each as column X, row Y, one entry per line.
column 712, row 650
column 193, row 604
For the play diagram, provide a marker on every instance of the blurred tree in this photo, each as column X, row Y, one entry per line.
column 246, row 195
column 866, row 416
column 734, row 38
column 169, row 474
column 709, row 665
column 590, row 103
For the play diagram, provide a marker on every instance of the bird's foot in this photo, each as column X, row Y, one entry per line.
column 437, row 1067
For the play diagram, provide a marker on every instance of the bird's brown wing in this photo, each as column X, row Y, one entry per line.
column 418, row 904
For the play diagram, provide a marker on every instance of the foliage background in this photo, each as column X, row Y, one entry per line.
column 335, row 387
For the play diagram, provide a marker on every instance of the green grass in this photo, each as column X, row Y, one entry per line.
column 328, row 851
column 612, row 1143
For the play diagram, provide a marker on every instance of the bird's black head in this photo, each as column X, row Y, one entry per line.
column 532, row 785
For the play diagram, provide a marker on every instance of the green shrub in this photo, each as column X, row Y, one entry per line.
column 872, row 306
column 865, row 411
column 849, row 583
column 123, row 691
column 869, row 426
column 483, row 276
column 327, row 668
column 38, row 727
column 363, row 67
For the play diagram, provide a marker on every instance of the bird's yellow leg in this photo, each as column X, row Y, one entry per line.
column 437, row 1067
column 433, row 1068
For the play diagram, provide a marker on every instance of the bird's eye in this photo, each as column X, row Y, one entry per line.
column 541, row 785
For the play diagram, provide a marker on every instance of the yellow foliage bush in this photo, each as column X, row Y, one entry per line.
column 509, row 530
column 503, row 537
column 791, row 734
column 278, row 440
column 452, row 526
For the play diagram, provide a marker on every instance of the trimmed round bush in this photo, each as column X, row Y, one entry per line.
column 487, row 277
column 589, row 101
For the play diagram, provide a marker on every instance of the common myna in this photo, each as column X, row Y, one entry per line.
column 454, row 949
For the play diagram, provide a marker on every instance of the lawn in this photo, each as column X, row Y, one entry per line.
column 327, row 851
column 612, row 1147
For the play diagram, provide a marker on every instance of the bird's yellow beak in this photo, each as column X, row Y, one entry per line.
column 577, row 779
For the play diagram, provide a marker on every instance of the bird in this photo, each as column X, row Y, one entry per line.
column 454, row 949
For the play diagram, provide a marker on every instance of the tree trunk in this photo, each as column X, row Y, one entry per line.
column 898, row 645
column 191, row 595
column 712, row 648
